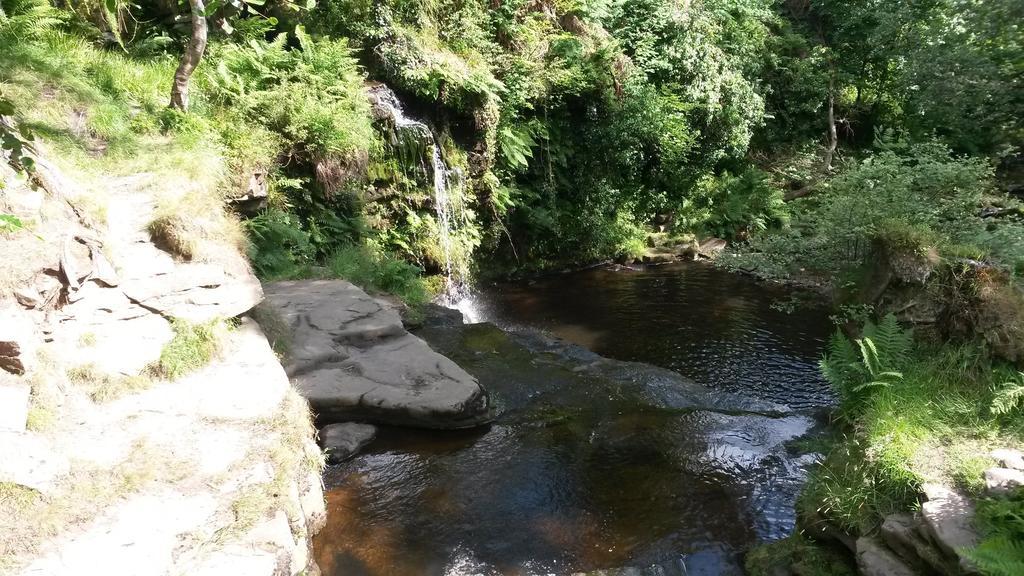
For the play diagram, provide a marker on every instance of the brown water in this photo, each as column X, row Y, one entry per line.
column 593, row 463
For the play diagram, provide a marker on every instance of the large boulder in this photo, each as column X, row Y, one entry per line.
column 352, row 358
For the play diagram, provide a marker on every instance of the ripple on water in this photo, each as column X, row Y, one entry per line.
column 585, row 470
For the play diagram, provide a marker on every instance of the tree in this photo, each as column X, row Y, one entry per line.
column 225, row 10
column 193, row 54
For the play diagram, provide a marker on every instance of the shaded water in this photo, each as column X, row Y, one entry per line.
column 596, row 463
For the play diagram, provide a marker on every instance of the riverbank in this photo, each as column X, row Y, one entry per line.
column 146, row 426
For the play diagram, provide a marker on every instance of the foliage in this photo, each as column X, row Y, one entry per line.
column 916, row 193
column 1001, row 550
column 855, row 368
column 1008, row 397
column 732, row 207
column 280, row 247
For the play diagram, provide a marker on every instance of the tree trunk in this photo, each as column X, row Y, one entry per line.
column 833, row 138
column 193, row 53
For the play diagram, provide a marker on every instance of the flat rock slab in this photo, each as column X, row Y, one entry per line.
column 352, row 359
column 1009, row 458
column 30, row 460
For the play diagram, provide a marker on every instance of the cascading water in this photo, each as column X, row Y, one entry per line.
column 413, row 137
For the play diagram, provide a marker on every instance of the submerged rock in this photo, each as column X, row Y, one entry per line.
column 352, row 358
column 342, row 441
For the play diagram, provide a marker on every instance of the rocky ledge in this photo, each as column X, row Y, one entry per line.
column 352, row 358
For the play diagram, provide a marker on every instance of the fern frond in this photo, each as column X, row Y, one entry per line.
column 998, row 556
column 1008, row 398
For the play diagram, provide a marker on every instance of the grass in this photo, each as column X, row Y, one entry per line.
column 932, row 425
column 192, row 347
column 103, row 387
column 377, row 271
column 797, row 554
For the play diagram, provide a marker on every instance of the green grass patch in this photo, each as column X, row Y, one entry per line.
column 377, row 271
column 192, row 347
column 797, row 554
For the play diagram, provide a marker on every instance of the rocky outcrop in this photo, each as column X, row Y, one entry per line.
column 351, row 357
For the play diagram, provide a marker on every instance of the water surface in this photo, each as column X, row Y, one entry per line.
column 593, row 463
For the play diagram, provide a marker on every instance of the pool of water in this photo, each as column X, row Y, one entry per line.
column 667, row 454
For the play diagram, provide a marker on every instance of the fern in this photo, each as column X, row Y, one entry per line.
column 1001, row 551
column 1009, row 397
column 22, row 20
column 855, row 369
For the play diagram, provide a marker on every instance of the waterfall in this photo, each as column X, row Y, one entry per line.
column 413, row 138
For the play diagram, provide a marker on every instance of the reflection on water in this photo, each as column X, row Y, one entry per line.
column 715, row 327
column 591, row 465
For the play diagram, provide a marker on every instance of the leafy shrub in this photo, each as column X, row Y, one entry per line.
column 731, row 206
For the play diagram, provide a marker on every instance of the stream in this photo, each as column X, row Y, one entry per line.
column 645, row 420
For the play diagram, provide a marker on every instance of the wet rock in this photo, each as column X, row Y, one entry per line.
column 18, row 341
column 342, row 441
column 948, row 518
column 1003, row 481
column 352, row 358
column 874, row 559
column 14, row 401
column 1008, row 458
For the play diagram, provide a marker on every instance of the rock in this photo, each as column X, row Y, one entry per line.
column 353, row 360
column 343, row 441
column 196, row 292
column 712, row 247
column 255, row 197
column 1008, row 458
column 311, row 499
column 18, row 341
column 1003, row 481
column 874, row 559
column 902, row 533
column 30, row 461
column 948, row 517
column 14, row 401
